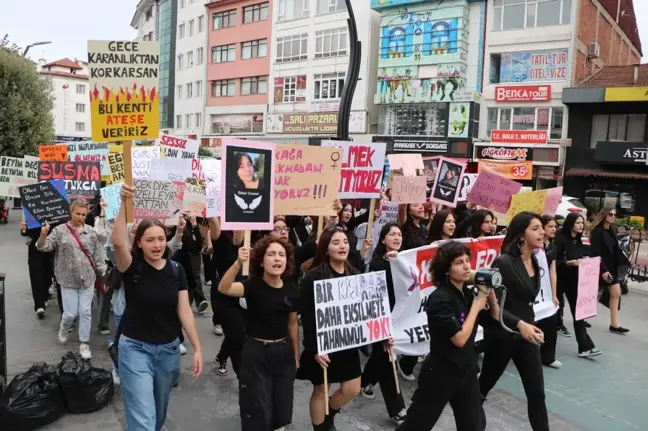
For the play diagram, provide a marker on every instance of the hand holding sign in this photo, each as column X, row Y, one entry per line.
column 45, row 229
column 127, row 192
column 243, row 255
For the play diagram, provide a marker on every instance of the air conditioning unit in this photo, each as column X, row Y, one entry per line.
column 594, row 50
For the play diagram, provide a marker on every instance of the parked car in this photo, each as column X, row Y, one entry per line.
column 569, row 204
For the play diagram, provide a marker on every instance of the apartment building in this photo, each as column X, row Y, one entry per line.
column 191, row 70
column 309, row 60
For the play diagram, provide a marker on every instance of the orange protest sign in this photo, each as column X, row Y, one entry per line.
column 53, row 153
column 511, row 170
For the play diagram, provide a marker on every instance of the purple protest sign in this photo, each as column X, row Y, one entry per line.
column 493, row 191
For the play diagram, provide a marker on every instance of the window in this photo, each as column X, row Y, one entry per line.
column 526, row 118
column 178, row 124
column 80, row 89
column 179, row 91
column 328, row 86
column 198, row 117
column 199, row 56
column 254, row 85
column 225, row 19
column 331, row 43
column 191, row 28
column 620, row 127
column 149, row 13
column 188, row 121
column 190, row 59
column 289, row 89
column 189, row 90
column 80, row 107
column 292, row 48
column 328, row 6
column 201, row 24
column 224, row 88
column 181, row 31
column 79, row 127
column 150, row 35
column 292, row 9
column 180, row 61
column 223, row 53
column 254, row 49
column 254, row 13
column 199, row 89
column 514, row 14
column 412, row 120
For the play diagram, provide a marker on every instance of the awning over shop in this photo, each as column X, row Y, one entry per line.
column 579, row 172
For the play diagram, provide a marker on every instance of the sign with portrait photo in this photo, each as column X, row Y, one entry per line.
column 247, row 195
column 446, row 184
column 465, row 186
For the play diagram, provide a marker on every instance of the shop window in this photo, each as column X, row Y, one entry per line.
column 328, row 86
column 413, row 120
column 524, row 118
column 491, row 123
column 618, row 127
column 610, row 194
column 516, row 14
column 505, row 119
column 556, row 123
column 495, row 66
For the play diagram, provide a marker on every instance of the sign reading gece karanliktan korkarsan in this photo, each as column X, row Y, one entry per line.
column 124, row 89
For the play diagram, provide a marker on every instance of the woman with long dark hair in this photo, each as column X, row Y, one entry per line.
column 521, row 276
column 481, row 223
column 347, row 221
column 343, row 366
column 603, row 238
column 246, row 175
column 549, row 326
column 378, row 369
column 442, row 226
column 414, row 229
column 569, row 249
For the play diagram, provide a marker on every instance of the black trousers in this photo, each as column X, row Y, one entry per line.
column 213, row 299
column 526, row 357
column 561, row 305
column 549, row 327
column 104, row 308
column 231, row 317
column 407, row 363
column 266, row 385
column 41, row 271
column 440, row 383
column 583, row 339
column 378, row 370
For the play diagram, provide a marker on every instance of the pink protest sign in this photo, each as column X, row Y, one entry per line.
column 588, row 283
column 554, row 196
column 493, row 190
column 446, row 185
column 362, row 168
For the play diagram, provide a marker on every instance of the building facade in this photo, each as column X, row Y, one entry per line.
column 430, row 56
column 309, row 61
column 69, row 83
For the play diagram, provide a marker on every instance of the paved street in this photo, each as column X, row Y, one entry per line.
column 607, row 394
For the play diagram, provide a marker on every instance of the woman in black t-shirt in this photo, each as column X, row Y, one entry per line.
column 331, row 261
column 270, row 353
column 156, row 311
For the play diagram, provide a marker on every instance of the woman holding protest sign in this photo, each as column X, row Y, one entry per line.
column 378, row 369
column 442, row 226
column 549, row 326
column 331, row 261
column 520, row 273
column 271, row 352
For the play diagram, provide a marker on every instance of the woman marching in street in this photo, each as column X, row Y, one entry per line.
column 271, row 352
column 157, row 309
column 569, row 249
column 549, row 326
column 449, row 372
column 41, row 270
column 378, row 369
column 521, row 276
column 79, row 259
column 442, row 226
column 605, row 244
column 343, row 366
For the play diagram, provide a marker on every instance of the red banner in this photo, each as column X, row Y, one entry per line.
column 519, row 136
column 523, row 93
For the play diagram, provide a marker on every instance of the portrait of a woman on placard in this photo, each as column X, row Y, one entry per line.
column 247, row 174
column 248, row 198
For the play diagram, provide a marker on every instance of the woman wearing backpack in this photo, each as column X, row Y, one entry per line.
column 157, row 308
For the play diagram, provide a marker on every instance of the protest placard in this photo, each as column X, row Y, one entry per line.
column 408, row 190
column 160, row 200
column 12, row 176
column 45, row 202
column 512, row 170
column 116, row 162
column 171, row 169
column 211, row 168
column 409, row 165
column 351, row 312
column 30, row 168
column 124, row 95
column 82, row 179
column 527, row 201
column 111, row 195
column 178, row 148
column 554, row 197
column 90, row 152
column 141, row 161
column 306, row 179
column 362, row 168
column 53, row 153
column 247, row 185
column 493, row 191
column 466, row 184
column 446, row 183
column 195, row 199
column 588, row 287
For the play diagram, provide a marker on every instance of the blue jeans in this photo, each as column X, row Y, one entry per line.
column 147, row 373
column 77, row 303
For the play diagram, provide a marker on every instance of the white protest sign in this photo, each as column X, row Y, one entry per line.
column 31, row 167
column 90, row 152
column 351, row 312
column 12, row 176
column 544, row 306
column 178, row 148
column 362, row 168
column 141, row 161
column 171, row 169
column 211, row 169
column 160, row 200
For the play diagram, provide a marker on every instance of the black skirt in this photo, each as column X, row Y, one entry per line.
column 344, row 366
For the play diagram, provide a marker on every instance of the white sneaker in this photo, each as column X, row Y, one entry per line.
column 63, row 334
column 208, row 282
column 202, row 307
column 555, row 364
column 409, row 377
column 368, row 392
column 115, row 376
column 84, row 351
column 40, row 313
column 218, row 330
column 183, row 349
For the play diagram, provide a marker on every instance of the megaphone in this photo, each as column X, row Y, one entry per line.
column 486, row 279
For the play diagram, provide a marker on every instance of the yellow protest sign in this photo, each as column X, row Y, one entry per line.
column 528, row 201
column 116, row 163
column 124, row 89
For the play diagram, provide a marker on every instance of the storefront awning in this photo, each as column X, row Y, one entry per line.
column 578, row 172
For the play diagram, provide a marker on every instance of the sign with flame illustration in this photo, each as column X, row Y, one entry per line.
column 124, row 99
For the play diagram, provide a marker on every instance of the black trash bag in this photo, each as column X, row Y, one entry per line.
column 32, row 400
column 86, row 389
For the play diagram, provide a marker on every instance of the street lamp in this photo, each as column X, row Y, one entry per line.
column 46, row 42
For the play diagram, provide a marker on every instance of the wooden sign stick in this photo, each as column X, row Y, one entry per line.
column 393, row 361
column 326, row 392
column 320, row 225
column 246, row 243
column 128, row 178
column 370, row 223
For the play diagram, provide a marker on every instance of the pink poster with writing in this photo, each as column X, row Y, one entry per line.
column 588, row 283
column 362, row 168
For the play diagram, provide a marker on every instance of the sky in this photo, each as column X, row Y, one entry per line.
column 69, row 24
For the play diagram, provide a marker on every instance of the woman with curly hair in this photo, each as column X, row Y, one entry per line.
column 270, row 354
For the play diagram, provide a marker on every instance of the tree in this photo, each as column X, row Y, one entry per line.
column 25, row 104
column 204, row 152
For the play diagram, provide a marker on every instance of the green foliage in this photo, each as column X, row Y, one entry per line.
column 25, row 104
column 204, row 152
column 632, row 223
column 259, row 165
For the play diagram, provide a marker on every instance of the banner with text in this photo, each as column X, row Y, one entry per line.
column 111, row 195
column 141, row 161
column 362, row 168
column 211, row 168
column 45, row 202
column 90, row 152
column 493, row 190
column 178, row 148
column 53, row 153
column 82, row 179
column 588, row 287
column 160, row 200
column 12, row 176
